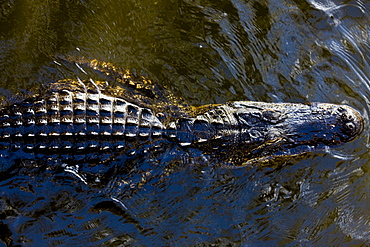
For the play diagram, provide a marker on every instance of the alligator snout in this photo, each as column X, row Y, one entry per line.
column 313, row 124
column 351, row 123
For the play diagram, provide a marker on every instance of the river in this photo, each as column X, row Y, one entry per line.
column 205, row 52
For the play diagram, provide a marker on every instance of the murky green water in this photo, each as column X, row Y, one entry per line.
column 204, row 52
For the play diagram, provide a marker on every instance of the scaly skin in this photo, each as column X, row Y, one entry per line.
column 84, row 120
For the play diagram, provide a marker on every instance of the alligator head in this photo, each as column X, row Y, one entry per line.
column 258, row 129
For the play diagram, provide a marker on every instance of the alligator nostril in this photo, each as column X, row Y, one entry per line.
column 347, row 117
column 350, row 127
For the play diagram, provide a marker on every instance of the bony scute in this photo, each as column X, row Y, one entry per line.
column 75, row 116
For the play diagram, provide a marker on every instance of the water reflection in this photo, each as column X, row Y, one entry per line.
column 204, row 52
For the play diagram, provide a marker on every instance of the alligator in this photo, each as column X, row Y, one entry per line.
column 74, row 119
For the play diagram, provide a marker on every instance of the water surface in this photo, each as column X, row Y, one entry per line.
column 204, row 52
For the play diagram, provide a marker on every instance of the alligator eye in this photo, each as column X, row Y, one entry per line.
column 271, row 115
column 350, row 127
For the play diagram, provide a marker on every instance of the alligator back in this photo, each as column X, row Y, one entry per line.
column 81, row 119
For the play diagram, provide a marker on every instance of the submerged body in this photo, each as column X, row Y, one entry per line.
column 70, row 120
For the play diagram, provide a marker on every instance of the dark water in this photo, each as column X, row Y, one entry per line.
column 205, row 52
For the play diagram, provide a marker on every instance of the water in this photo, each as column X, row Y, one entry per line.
column 204, row 52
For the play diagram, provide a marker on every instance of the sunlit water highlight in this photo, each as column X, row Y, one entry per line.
column 204, row 52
